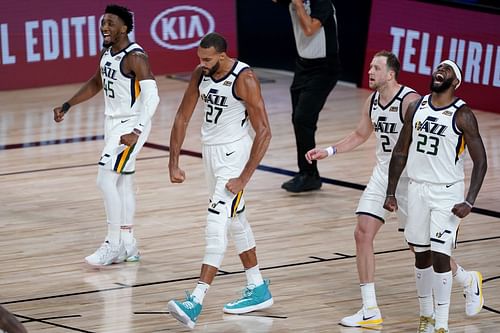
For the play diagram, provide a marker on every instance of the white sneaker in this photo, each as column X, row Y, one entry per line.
column 473, row 293
column 105, row 255
column 364, row 318
column 131, row 253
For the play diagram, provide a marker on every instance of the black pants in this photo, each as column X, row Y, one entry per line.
column 313, row 81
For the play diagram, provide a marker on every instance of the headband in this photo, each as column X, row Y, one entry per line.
column 456, row 70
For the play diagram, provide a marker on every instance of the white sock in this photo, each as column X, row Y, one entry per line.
column 368, row 295
column 253, row 276
column 462, row 277
column 424, row 280
column 200, row 291
column 113, row 234
column 441, row 286
column 127, row 234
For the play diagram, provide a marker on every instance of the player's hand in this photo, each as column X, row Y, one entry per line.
column 129, row 139
column 58, row 114
column 177, row 175
column 235, row 185
column 461, row 209
column 316, row 154
column 391, row 204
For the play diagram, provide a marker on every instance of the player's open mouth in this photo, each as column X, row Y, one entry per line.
column 439, row 77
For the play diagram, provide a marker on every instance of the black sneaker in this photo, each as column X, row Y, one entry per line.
column 302, row 182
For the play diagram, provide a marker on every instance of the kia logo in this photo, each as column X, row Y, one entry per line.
column 181, row 27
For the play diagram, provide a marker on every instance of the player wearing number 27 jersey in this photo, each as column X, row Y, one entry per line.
column 232, row 103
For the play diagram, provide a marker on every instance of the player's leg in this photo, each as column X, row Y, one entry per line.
column 417, row 234
column 256, row 295
column 472, row 283
column 444, row 226
column 370, row 217
column 218, row 219
column 126, row 189
column 107, row 179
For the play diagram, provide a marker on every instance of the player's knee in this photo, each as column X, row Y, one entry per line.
column 441, row 262
column 106, row 179
column 423, row 258
column 363, row 235
column 215, row 238
column 242, row 234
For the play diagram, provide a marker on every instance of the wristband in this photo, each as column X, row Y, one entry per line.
column 137, row 131
column 468, row 204
column 390, row 195
column 65, row 107
column 331, row 150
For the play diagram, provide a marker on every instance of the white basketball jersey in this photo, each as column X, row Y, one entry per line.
column 387, row 123
column 226, row 118
column 437, row 149
column 121, row 91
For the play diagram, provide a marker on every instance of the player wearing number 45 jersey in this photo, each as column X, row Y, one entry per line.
column 383, row 114
column 232, row 103
column 131, row 98
column 438, row 128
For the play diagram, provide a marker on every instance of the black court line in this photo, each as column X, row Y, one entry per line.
column 48, row 318
column 53, row 324
column 151, row 145
column 150, row 312
column 487, row 307
column 52, row 142
column 265, row 316
column 315, row 261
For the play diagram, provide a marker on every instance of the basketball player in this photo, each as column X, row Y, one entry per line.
column 9, row 323
column 233, row 102
column 437, row 130
column 131, row 98
column 383, row 113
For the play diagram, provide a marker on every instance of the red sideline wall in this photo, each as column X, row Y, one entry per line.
column 422, row 35
column 58, row 42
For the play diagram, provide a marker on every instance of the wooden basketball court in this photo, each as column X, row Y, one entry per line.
column 52, row 216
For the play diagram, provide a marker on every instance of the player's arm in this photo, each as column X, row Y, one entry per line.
column 182, row 118
column 309, row 25
column 351, row 141
column 467, row 123
column 248, row 89
column 87, row 91
column 399, row 157
column 138, row 63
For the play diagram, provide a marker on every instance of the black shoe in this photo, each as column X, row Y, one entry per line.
column 302, row 182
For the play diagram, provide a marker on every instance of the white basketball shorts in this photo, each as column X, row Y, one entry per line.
column 430, row 220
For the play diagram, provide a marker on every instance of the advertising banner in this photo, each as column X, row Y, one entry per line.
column 422, row 35
column 48, row 44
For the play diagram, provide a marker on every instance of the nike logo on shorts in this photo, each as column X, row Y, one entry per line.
column 124, row 121
column 228, row 154
column 449, row 185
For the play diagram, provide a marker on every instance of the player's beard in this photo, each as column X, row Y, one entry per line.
column 212, row 70
column 440, row 87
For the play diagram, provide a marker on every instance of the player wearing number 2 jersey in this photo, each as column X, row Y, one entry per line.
column 437, row 130
column 232, row 102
